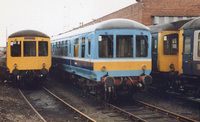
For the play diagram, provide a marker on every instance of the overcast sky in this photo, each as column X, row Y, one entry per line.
column 52, row 16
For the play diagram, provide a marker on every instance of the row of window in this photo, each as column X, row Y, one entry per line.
column 29, row 48
column 63, row 48
column 124, row 47
column 170, row 44
column 187, row 44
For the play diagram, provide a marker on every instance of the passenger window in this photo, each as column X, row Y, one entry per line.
column 76, row 47
column 198, row 45
column 124, row 46
column 141, row 46
column 66, row 48
column 60, row 49
column 29, row 48
column 187, row 45
column 198, row 49
column 89, row 46
column 170, row 43
column 106, row 46
column 43, row 48
column 70, row 48
column 15, row 48
column 83, row 48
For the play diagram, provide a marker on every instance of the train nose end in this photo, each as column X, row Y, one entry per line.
column 147, row 80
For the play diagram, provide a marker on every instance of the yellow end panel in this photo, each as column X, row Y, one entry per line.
column 28, row 63
column 117, row 66
column 180, row 60
column 164, row 61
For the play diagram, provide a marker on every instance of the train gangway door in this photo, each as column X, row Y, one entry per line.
column 154, row 52
column 187, row 52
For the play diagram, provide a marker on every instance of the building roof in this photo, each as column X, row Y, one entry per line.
column 28, row 33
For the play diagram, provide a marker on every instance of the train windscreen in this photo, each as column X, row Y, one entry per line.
column 29, row 48
column 43, row 48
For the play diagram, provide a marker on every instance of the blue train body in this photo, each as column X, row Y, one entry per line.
column 117, row 48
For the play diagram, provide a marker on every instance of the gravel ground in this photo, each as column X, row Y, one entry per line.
column 172, row 103
column 84, row 104
column 13, row 107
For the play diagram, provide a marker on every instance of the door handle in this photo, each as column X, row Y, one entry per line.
column 186, row 61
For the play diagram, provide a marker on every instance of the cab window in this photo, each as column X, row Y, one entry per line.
column 170, row 44
column 29, row 48
column 106, row 46
column 141, row 46
column 43, row 48
column 124, row 46
column 187, row 45
column 15, row 48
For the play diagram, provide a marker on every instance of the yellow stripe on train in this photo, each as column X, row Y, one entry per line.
column 117, row 66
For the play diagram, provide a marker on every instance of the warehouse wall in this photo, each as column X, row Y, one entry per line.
column 145, row 10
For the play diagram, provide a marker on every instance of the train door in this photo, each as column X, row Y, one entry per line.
column 187, row 52
column 154, row 52
column 70, row 55
column 196, row 53
column 88, row 52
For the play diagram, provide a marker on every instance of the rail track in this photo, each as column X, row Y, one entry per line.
column 165, row 112
column 143, row 115
column 82, row 115
column 136, row 111
column 45, row 114
column 149, row 115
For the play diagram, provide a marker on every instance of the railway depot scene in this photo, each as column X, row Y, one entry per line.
column 100, row 61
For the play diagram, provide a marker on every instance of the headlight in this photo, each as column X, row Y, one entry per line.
column 144, row 67
column 172, row 67
column 15, row 65
column 103, row 68
column 43, row 64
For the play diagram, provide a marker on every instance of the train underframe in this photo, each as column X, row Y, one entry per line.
column 26, row 79
column 110, row 88
column 178, row 83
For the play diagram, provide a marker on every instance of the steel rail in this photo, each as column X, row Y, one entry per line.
column 125, row 113
column 166, row 112
column 32, row 106
column 74, row 109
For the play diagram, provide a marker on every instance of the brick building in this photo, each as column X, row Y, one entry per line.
column 150, row 12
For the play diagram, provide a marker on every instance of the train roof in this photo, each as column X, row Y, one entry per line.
column 195, row 23
column 106, row 25
column 28, row 33
column 172, row 26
